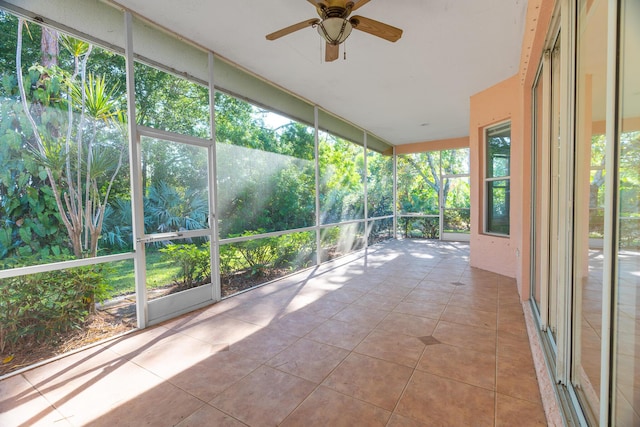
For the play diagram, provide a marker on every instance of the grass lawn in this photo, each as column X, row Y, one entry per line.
column 161, row 271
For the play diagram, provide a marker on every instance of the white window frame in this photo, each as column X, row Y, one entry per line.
column 486, row 179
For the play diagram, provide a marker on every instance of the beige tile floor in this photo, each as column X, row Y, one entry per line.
column 403, row 334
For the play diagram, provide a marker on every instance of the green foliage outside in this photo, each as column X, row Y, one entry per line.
column 425, row 228
column 340, row 240
column 380, row 230
column 341, row 180
column 41, row 305
column 422, row 177
column 629, row 191
column 457, row 220
column 194, row 262
column 65, row 185
column 62, row 145
column 253, row 257
column 289, row 252
column 420, row 181
column 76, row 151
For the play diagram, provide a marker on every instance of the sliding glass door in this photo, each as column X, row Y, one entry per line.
column 546, row 201
column 625, row 384
column 585, row 265
column 590, row 188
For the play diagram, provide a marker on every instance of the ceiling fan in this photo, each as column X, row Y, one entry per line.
column 335, row 25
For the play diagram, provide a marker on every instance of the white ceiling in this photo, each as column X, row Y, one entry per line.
column 414, row 90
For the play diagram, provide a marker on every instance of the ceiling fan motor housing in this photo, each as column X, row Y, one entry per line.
column 334, row 12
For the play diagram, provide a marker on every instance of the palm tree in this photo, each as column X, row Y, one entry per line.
column 81, row 166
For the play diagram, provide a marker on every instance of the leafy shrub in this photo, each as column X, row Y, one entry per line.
column 292, row 251
column 258, row 254
column 427, row 228
column 431, row 228
column 228, row 256
column 629, row 234
column 330, row 236
column 457, row 220
column 37, row 306
column 380, row 230
column 295, row 250
column 194, row 262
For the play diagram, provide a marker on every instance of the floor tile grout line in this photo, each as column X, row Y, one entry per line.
column 41, row 394
column 353, row 351
column 224, row 412
column 169, row 381
column 501, row 297
column 321, row 382
column 404, row 389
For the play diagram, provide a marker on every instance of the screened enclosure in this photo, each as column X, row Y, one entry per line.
column 162, row 189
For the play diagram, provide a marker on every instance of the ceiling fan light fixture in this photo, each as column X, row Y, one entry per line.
column 335, row 30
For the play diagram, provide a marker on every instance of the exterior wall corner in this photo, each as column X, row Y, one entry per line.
column 501, row 102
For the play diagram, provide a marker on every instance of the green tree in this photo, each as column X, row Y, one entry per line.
column 265, row 174
column 341, row 180
column 80, row 167
column 29, row 219
column 379, row 184
column 420, row 178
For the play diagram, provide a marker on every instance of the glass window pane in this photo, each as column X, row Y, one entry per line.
column 557, row 86
column 499, row 165
column 589, row 199
column 627, row 288
column 538, row 192
column 498, row 151
column 498, row 207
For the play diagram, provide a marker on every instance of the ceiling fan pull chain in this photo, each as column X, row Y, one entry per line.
column 344, row 52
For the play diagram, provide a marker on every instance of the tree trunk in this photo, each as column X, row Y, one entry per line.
column 49, row 47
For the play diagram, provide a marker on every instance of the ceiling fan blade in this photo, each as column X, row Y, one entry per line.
column 290, row 29
column 358, row 4
column 376, row 28
column 331, row 52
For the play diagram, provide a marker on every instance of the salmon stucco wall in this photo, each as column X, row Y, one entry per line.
column 509, row 100
column 494, row 105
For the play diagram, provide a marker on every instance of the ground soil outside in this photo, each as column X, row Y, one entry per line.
column 112, row 318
